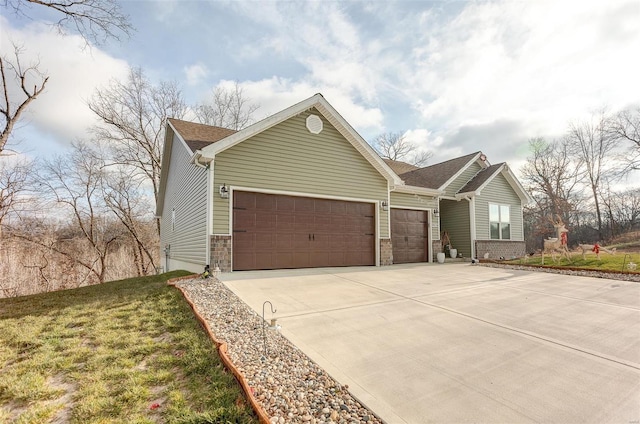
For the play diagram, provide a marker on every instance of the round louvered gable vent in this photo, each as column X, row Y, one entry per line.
column 314, row 124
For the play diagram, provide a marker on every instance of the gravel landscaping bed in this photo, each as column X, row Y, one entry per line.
column 626, row 276
column 290, row 386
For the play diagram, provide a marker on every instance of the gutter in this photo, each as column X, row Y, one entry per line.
column 199, row 160
column 418, row 190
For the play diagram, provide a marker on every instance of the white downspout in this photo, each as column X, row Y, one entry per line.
column 210, row 200
column 472, row 225
column 209, row 205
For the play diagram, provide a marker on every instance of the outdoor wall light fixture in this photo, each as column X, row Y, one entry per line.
column 436, row 212
column 224, row 191
column 384, row 205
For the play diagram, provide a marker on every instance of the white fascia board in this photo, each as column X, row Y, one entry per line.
column 358, row 142
column 461, row 170
column 511, row 179
column 199, row 159
column 518, row 188
column 177, row 134
column 418, row 190
column 321, row 104
column 477, row 191
column 164, row 166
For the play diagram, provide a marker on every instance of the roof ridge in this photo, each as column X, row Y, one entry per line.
column 200, row 123
column 452, row 159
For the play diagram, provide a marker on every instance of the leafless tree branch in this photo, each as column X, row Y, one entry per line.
column 228, row 108
column 134, row 115
column 94, row 20
column 13, row 105
column 395, row 146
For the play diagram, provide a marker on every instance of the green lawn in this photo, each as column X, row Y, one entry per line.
column 607, row 262
column 126, row 351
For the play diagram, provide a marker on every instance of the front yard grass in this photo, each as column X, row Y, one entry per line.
column 618, row 262
column 126, row 351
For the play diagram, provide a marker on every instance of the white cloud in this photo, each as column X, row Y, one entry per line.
column 195, row 73
column 74, row 74
column 275, row 94
column 324, row 40
column 536, row 62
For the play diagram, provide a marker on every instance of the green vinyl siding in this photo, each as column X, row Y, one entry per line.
column 498, row 192
column 408, row 201
column 454, row 218
column 288, row 158
column 186, row 194
column 466, row 176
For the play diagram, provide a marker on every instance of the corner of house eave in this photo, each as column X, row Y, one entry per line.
column 417, row 190
column 513, row 181
column 195, row 156
column 467, row 195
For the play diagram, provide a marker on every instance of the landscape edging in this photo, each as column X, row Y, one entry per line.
column 222, row 351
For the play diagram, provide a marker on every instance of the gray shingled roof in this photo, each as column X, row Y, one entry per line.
column 400, row 167
column 435, row 176
column 480, row 178
column 199, row 136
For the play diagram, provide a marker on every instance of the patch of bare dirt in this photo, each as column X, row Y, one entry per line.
column 65, row 401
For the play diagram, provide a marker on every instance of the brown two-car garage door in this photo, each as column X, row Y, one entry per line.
column 409, row 236
column 275, row 231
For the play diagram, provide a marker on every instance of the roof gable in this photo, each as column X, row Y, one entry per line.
column 318, row 102
column 441, row 174
column 481, row 179
column 484, row 177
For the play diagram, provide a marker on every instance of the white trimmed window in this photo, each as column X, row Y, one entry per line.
column 499, row 222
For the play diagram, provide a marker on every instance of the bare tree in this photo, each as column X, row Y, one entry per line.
column 595, row 146
column 134, row 115
column 94, row 20
column 395, row 146
column 552, row 175
column 15, row 73
column 14, row 186
column 625, row 128
column 126, row 200
column 626, row 209
column 74, row 184
column 553, row 178
column 228, row 108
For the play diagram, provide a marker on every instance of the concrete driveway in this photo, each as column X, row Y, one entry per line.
column 458, row 343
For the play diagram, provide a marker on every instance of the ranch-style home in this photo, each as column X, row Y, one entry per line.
column 303, row 189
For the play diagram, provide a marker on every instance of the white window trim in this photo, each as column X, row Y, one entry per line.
column 499, row 205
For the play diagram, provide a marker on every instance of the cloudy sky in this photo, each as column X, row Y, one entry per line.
column 456, row 76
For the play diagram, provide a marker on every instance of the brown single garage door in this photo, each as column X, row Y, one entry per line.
column 409, row 236
column 274, row 231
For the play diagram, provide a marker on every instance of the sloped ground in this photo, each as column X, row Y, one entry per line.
column 126, row 351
